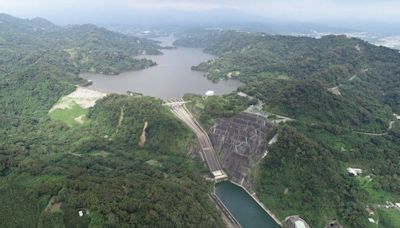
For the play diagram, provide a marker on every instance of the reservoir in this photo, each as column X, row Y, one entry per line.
column 171, row 78
column 243, row 207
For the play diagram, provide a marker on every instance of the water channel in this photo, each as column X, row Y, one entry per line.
column 243, row 207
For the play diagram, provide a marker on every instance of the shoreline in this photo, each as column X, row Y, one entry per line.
column 226, row 214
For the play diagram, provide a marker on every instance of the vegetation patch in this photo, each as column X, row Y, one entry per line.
column 103, row 154
column 154, row 163
column 376, row 195
column 71, row 109
column 69, row 115
column 389, row 218
column 207, row 109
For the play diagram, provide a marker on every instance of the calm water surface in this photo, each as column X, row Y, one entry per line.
column 171, row 78
column 243, row 207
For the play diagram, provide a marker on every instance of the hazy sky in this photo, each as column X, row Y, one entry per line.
column 121, row 11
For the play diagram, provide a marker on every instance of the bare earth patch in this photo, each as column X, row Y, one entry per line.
column 335, row 90
column 79, row 119
column 143, row 136
column 52, row 206
column 83, row 97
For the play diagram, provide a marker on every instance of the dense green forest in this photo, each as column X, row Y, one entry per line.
column 349, row 63
column 72, row 49
column 340, row 94
column 209, row 109
column 50, row 171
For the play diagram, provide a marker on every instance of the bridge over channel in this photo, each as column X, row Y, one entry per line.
column 177, row 106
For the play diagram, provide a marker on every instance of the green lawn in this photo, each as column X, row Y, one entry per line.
column 68, row 115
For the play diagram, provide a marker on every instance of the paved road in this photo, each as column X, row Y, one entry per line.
column 391, row 123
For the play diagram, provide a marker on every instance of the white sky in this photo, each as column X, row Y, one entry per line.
column 303, row 10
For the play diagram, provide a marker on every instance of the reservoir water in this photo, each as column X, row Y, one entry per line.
column 171, row 78
column 243, row 207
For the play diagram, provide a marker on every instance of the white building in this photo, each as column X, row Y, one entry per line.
column 354, row 171
column 210, row 93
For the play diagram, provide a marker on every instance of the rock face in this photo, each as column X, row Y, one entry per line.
column 240, row 142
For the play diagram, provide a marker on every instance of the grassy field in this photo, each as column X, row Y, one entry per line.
column 389, row 218
column 68, row 115
column 376, row 196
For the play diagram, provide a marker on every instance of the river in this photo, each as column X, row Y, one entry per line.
column 172, row 77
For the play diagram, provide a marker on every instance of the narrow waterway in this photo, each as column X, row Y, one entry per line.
column 243, row 207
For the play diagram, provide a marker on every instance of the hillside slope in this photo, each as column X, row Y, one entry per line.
column 50, row 171
column 339, row 94
column 332, row 60
column 81, row 48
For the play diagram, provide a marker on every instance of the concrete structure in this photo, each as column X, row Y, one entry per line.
column 240, row 142
column 207, row 150
column 241, row 94
column 354, row 171
column 210, row 93
column 172, row 103
column 371, row 220
column 233, row 222
column 259, row 203
column 295, row 221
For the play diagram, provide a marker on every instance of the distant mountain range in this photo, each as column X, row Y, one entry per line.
column 80, row 48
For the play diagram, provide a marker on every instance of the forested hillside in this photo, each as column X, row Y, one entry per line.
column 50, row 171
column 333, row 60
column 339, row 94
column 80, row 48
